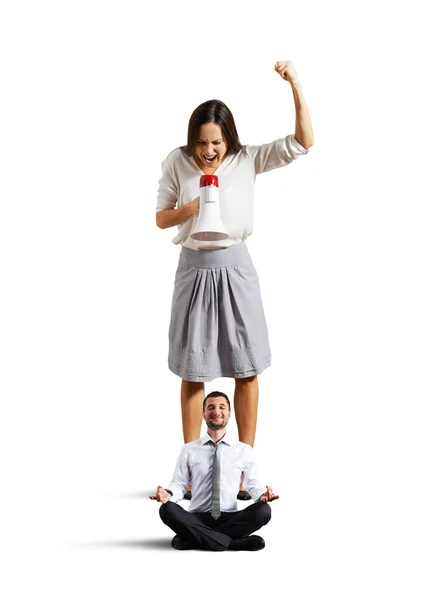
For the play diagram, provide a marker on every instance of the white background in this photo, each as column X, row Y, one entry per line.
column 94, row 96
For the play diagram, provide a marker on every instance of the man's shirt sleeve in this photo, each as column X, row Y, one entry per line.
column 179, row 484
column 252, row 480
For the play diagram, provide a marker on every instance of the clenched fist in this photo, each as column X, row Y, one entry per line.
column 287, row 71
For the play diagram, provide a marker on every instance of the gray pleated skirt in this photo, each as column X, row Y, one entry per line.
column 217, row 326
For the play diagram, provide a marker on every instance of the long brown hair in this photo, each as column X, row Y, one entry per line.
column 212, row 111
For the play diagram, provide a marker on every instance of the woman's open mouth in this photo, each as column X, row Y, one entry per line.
column 210, row 158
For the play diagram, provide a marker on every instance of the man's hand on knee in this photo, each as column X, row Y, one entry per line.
column 268, row 496
column 162, row 495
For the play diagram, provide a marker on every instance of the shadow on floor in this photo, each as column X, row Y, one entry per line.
column 139, row 495
column 144, row 495
column 145, row 544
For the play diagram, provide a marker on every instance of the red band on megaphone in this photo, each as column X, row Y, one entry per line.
column 209, row 180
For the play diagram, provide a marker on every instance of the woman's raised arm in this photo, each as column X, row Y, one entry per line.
column 303, row 129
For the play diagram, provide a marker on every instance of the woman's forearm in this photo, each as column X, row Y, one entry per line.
column 169, row 217
column 303, row 128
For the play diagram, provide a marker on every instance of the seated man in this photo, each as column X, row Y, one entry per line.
column 214, row 465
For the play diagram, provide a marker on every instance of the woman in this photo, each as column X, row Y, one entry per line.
column 217, row 327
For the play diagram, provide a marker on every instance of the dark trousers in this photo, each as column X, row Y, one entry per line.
column 206, row 533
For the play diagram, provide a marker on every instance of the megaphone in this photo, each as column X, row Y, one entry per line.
column 209, row 225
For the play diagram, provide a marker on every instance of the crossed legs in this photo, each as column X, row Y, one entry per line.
column 204, row 532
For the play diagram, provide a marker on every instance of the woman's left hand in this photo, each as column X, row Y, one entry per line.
column 287, row 71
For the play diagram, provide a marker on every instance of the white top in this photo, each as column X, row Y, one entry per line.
column 195, row 466
column 180, row 184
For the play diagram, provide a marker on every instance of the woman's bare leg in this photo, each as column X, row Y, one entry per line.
column 246, row 404
column 192, row 397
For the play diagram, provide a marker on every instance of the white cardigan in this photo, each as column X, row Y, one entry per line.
column 180, row 183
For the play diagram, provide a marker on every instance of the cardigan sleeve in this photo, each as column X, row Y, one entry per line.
column 167, row 194
column 277, row 154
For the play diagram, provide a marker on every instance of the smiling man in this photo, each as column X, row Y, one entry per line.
column 214, row 465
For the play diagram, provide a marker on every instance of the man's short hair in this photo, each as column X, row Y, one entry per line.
column 216, row 395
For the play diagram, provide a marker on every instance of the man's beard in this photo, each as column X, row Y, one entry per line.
column 216, row 426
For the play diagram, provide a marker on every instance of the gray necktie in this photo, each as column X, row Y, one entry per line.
column 215, row 507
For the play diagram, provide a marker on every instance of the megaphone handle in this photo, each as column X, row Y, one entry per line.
column 210, row 192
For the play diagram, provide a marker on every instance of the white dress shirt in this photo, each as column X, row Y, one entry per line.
column 180, row 184
column 195, row 466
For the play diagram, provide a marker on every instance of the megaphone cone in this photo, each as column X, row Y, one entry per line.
column 209, row 225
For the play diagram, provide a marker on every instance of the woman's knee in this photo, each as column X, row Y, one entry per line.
column 246, row 381
column 192, row 387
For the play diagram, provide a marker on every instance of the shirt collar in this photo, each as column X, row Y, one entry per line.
column 225, row 440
